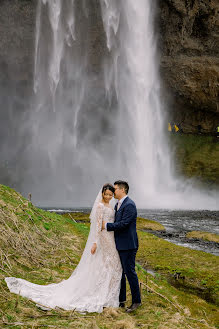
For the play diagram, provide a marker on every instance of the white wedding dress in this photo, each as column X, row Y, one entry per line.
column 94, row 284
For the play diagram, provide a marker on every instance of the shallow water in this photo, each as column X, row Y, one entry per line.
column 177, row 224
column 177, row 221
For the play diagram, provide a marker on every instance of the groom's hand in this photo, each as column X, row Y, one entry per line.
column 103, row 224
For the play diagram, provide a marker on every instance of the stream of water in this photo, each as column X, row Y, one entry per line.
column 177, row 224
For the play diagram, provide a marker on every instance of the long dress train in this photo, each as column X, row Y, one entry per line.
column 94, row 284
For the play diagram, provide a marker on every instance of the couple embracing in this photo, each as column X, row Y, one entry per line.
column 108, row 259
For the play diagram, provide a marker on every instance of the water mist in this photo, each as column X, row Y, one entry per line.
column 93, row 125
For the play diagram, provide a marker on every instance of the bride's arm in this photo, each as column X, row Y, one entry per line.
column 98, row 226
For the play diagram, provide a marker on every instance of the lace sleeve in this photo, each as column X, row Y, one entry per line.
column 98, row 223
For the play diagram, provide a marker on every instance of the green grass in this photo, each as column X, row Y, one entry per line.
column 148, row 224
column 168, row 259
column 197, row 156
column 43, row 247
column 203, row 236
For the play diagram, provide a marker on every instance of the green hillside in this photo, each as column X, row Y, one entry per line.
column 43, row 248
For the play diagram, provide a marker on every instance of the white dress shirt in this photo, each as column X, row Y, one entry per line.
column 119, row 203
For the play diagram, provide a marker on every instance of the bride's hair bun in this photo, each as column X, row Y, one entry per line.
column 108, row 186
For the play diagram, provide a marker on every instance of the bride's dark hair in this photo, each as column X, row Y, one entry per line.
column 108, row 186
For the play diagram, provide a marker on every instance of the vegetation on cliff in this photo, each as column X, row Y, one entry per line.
column 197, row 157
column 43, row 247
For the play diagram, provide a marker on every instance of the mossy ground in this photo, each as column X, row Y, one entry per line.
column 43, row 247
column 190, row 270
column 197, row 156
column 203, row 236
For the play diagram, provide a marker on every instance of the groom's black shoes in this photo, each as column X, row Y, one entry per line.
column 133, row 307
column 122, row 304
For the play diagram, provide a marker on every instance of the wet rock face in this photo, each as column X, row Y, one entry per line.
column 188, row 41
column 17, row 28
column 17, row 43
column 189, row 38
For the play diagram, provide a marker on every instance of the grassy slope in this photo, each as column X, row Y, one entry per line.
column 199, row 269
column 197, row 156
column 168, row 259
column 44, row 248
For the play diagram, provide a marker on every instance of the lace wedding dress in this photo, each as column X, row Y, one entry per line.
column 94, row 284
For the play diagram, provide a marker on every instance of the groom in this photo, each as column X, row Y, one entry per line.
column 126, row 240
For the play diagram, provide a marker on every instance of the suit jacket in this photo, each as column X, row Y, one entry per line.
column 124, row 226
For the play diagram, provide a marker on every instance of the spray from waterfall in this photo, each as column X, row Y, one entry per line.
column 97, row 114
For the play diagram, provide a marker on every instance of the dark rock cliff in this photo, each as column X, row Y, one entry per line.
column 189, row 39
column 17, row 28
column 188, row 43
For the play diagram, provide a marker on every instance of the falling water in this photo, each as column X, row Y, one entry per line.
column 142, row 147
column 97, row 120
column 131, row 44
column 72, row 121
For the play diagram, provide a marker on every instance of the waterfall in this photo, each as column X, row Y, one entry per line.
column 97, row 114
column 72, row 122
column 131, row 43
column 143, row 151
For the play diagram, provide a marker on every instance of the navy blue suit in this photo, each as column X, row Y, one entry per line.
column 126, row 240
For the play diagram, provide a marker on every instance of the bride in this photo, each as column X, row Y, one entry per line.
column 95, row 283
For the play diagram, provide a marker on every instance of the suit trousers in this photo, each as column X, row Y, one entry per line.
column 127, row 258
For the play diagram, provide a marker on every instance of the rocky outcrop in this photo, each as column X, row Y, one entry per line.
column 189, row 38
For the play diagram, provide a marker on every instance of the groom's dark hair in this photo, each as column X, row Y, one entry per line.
column 123, row 184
